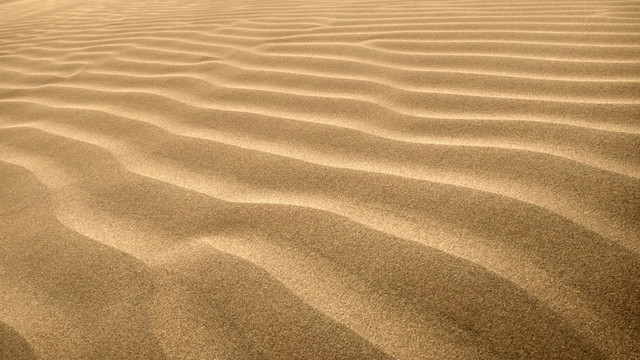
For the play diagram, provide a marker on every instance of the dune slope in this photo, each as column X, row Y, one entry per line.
column 293, row 179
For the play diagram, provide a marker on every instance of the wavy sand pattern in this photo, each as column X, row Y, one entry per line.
column 293, row 179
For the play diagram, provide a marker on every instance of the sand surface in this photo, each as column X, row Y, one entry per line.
column 331, row 179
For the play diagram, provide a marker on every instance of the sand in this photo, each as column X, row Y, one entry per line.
column 296, row 179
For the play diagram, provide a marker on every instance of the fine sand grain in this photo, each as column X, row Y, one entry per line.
column 296, row 179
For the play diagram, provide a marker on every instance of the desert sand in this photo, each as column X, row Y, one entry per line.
column 296, row 179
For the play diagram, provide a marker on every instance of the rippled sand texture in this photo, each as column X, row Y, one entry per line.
column 297, row 179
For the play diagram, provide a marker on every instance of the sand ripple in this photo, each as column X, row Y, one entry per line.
column 332, row 180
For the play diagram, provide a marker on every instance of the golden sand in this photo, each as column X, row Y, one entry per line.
column 296, row 179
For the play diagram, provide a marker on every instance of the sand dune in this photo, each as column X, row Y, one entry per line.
column 291, row 179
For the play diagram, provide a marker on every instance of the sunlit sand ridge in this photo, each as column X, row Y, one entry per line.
column 300, row 179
